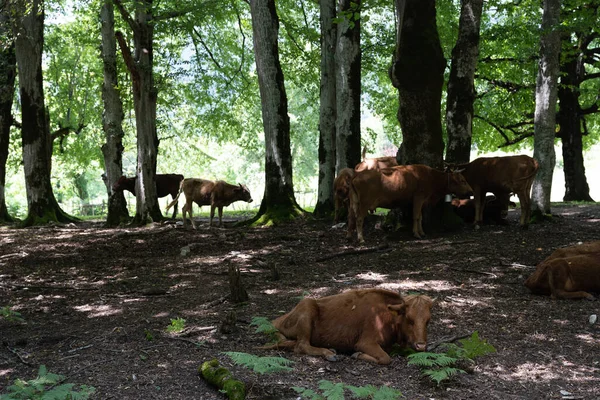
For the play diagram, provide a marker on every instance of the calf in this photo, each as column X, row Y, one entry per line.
column 203, row 192
column 341, row 191
column 501, row 176
column 375, row 163
column 570, row 277
column 367, row 322
column 496, row 209
column 397, row 186
column 166, row 184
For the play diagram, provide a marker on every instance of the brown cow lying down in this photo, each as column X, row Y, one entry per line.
column 367, row 322
column 501, row 175
column 495, row 210
column 397, row 186
column 341, row 191
column 217, row 194
column 568, row 273
column 166, row 184
column 375, row 163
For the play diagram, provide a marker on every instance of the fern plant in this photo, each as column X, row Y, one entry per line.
column 472, row 347
column 264, row 325
column 10, row 315
column 335, row 391
column 260, row 365
column 46, row 386
column 177, row 325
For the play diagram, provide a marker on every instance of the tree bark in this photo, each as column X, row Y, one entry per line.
column 112, row 118
column 569, row 121
column 28, row 29
column 461, row 88
column 327, row 113
column 417, row 72
column 140, row 66
column 348, row 85
column 278, row 202
column 545, row 107
column 8, row 70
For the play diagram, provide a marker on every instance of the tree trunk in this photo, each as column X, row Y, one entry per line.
column 112, row 118
column 570, row 134
column 278, row 202
column 327, row 113
column 144, row 98
column 461, row 88
column 29, row 34
column 545, row 107
column 348, row 85
column 417, row 72
column 7, row 91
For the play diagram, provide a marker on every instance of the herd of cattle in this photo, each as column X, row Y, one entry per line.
column 368, row 322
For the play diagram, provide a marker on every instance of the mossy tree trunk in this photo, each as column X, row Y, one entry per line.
column 348, row 85
column 417, row 72
column 8, row 69
column 461, row 86
column 545, row 107
column 28, row 29
column 279, row 203
column 145, row 93
column 325, row 202
column 112, row 118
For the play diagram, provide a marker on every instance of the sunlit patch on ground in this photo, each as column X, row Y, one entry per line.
column 271, row 291
column 6, row 371
column 541, row 337
column 437, row 286
column 372, row 276
column 588, row 338
column 98, row 311
column 551, row 371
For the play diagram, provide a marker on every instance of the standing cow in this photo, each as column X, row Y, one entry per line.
column 501, row 176
column 217, row 194
column 341, row 191
column 367, row 322
column 398, row 186
column 166, row 184
column 568, row 273
column 375, row 163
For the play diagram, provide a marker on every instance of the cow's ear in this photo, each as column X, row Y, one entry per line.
column 399, row 308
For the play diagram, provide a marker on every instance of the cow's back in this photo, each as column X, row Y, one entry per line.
column 198, row 190
column 509, row 173
column 585, row 248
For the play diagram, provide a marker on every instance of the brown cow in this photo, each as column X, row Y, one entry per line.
column 375, row 163
column 571, row 277
column 341, row 191
column 217, row 194
column 367, row 322
column 166, row 184
column 397, row 186
column 495, row 210
column 584, row 248
column 501, row 176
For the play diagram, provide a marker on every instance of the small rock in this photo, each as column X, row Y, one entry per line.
column 185, row 251
column 593, row 319
column 339, row 226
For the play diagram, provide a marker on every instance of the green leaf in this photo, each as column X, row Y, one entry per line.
column 261, row 365
column 332, row 391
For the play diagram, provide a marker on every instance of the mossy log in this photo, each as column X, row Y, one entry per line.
column 220, row 377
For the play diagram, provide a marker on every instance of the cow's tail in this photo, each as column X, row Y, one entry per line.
column 364, row 153
column 536, row 166
column 284, row 344
column 171, row 204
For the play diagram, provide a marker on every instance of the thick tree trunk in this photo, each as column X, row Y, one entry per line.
column 112, row 118
column 461, row 88
column 8, row 69
column 327, row 160
column 29, row 34
column 348, row 85
column 569, row 121
column 278, row 202
column 545, row 107
column 145, row 94
column 417, row 72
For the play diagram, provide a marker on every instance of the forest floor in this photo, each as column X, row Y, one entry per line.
column 96, row 303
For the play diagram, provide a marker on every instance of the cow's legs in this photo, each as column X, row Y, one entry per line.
column 558, row 275
column 184, row 210
column 220, row 217
column 525, row 208
column 418, row 218
column 212, row 215
column 174, row 209
column 372, row 352
column 191, row 215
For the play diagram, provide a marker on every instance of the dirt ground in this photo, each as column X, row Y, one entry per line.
column 96, row 303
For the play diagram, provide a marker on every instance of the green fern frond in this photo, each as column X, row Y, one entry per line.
column 260, row 365
column 475, row 346
column 263, row 325
column 362, row 392
column 442, row 374
column 426, row 359
column 332, row 391
column 307, row 393
column 374, row 392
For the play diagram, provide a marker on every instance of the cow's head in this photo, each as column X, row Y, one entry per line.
column 118, row 185
column 458, row 185
column 415, row 313
column 243, row 193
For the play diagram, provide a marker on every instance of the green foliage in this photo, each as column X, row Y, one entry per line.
column 263, row 325
column 148, row 335
column 335, row 391
column 10, row 315
column 260, row 365
column 177, row 325
column 440, row 367
column 46, row 386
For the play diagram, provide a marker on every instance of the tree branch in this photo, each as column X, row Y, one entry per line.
column 170, row 15
column 128, row 58
column 516, row 139
column 125, row 15
column 210, row 54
